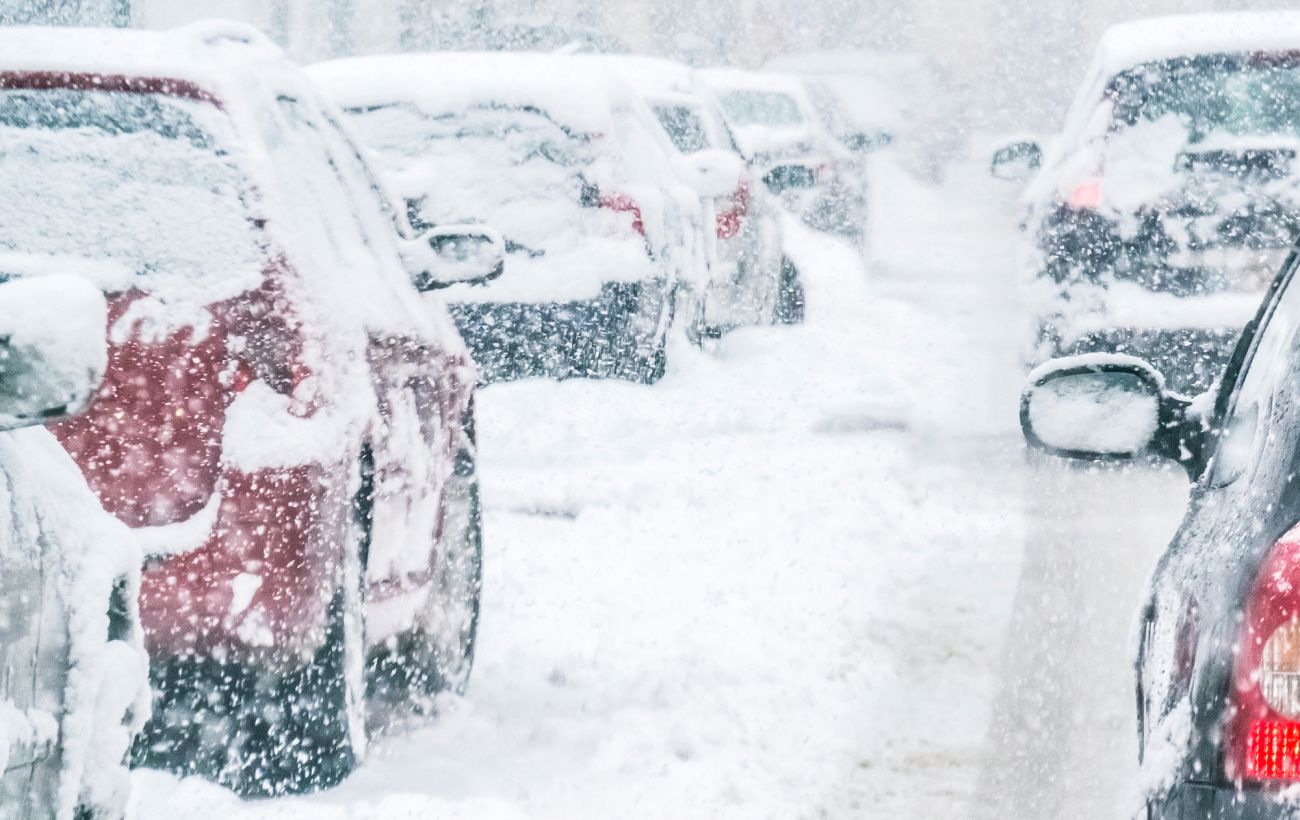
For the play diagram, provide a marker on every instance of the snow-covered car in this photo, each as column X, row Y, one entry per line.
column 870, row 99
column 284, row 423
column 75, row 686
column 1219, row 640
column 1173, row 193
column 775, row 125
column 597, row 230
column 750, row 280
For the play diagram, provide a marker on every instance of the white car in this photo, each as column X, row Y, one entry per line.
column 597, row 227
column 870, row 99
column 775, row 124
column 74, row 685
column 750, row 280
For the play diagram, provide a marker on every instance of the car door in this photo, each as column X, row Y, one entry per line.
column 422, row 391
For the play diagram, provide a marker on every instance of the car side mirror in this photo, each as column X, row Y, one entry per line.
column 1107, row 407
column 1017, row 161
column 789, row 177
column 455, row 255
column 713, row 173
column 53, row 348
column 864, row 142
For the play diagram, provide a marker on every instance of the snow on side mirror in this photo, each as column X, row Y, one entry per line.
column 1101, row 407
column 1017, row 161
column 455, row 254
column 53, row 348
column 713, row 173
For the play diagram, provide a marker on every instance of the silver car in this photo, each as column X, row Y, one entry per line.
column 74, row 681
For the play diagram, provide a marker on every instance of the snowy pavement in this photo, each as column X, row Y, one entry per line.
column 787, row 580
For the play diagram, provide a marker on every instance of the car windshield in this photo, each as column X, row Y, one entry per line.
column 142, row 183
column 684, row 127
column 751, row 107
column 427, row 157
column 1225, row 93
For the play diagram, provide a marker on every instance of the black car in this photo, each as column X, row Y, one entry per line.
column 1171, row 196
column 1218, row 669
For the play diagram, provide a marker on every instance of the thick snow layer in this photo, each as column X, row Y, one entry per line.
column 585, row 172
column 766, row 587
column 53, row 329
column 1157, row 38
column 449, row 82
column 46, row 504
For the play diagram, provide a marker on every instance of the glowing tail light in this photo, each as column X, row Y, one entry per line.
column 1086, row 195
column 625, row 204
column 1263, row 729
column 730, row 219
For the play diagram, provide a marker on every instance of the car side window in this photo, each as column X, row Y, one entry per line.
column 1260, row 399
column 683, row 126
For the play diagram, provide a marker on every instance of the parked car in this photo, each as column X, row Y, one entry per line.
column 75, row 686
column 1173, row 193
column 750, row 279
column 870, row 99
column 776, row 127
column 597, row 228
column 284, row 424
column 1218, row 707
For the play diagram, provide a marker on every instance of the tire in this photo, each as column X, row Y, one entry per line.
column 437, row 654
column 265, row 732
column 789, row 309
column 257, row 732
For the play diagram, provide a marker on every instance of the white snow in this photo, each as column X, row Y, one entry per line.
column 766, row 586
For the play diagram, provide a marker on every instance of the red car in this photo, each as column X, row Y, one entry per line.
column 284, row 422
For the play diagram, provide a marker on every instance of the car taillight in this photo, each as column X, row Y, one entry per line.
column 1264, row 724
column 729, row 220
column 625, row 204
column 1086, row 195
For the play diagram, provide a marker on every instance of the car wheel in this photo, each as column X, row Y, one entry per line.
column 789, row 308
column 266, row 732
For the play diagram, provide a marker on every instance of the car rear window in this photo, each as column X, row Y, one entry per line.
column 142, row 183
column 1225, row 93
column 752, row 107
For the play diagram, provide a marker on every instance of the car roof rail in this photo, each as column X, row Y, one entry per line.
column 222, row 32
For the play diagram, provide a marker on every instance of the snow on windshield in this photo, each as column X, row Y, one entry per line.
column 144, row 185
column 537, row 181
column 751, row 107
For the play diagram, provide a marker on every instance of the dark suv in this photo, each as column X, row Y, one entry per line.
column 1173, row 193
column 1218, row 669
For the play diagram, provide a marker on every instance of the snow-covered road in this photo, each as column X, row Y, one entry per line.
column 790, row 580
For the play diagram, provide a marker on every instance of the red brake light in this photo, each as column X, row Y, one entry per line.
column 1263, row 730
column 1086, row 195
column 730, row 219
column 625, row 203
column 1273, row 750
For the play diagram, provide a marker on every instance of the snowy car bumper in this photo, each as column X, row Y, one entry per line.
column 1199, row 801
column 618, row 334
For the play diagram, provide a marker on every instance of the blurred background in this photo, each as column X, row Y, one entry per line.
column 1011, row 64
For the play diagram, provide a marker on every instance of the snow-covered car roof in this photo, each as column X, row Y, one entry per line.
column 447, row 82
column 650, row 75
column 754, row 81
column 1160, row 38
column 194, row 53
column 1127, row 45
